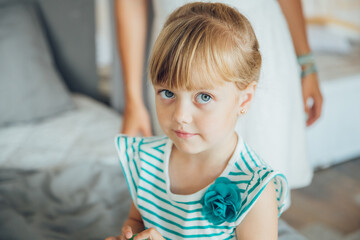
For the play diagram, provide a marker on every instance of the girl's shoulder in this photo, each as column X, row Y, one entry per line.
column 249, row 175
column 139, row 154
column 124, row 143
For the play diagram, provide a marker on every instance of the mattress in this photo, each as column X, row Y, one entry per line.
column 84, row 135
column 335, row 137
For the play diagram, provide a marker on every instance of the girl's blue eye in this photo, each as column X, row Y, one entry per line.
column 166, row 94
column 203, row 98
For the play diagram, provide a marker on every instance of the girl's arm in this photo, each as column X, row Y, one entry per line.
column 262, row 220
column 134, row 228
column 131, row 25
column 293, row 13
column 132, row 225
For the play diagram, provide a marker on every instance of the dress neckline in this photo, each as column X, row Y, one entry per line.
column 194, row 197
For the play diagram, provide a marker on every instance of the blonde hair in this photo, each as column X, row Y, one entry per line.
column 204, row 44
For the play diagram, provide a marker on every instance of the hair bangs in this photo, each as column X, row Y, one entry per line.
column 194, row 59
column 201, row 49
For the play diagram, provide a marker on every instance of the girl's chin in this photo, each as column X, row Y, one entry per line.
column 187, row 148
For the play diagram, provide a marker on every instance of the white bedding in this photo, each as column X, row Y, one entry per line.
column 335, row 137
column 84, row 135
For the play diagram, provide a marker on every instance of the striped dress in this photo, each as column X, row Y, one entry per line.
column 145, row 164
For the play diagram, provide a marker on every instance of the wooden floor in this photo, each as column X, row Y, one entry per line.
column 330, row 206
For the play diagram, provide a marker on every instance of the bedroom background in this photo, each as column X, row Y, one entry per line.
column 61, row 91
column 334, row 36
column 334, row 141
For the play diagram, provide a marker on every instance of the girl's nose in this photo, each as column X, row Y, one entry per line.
column 182, row 113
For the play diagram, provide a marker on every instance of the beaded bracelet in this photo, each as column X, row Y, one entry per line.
column 307, row 63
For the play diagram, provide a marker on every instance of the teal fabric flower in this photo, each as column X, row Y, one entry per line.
column 221, row 202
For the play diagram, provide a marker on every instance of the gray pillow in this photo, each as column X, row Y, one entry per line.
column 30, row 86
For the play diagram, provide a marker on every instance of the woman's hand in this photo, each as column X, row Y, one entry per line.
column 297, row 25
column 311, row 90
column 136, row 121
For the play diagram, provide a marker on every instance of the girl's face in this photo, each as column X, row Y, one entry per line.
column 200, row 120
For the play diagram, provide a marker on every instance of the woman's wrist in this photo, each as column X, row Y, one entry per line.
column 307, row 63
column 134, row 99
column 134, row 106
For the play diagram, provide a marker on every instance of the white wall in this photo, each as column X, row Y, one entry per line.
column 103, row 33
column 341, row 16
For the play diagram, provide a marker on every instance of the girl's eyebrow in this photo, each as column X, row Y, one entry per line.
column 213, row 89
column 159, row 85
column 205, row 90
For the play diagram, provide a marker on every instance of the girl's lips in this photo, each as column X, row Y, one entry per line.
column 182, row 134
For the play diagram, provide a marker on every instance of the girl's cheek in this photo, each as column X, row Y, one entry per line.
column 166, row 102
column 206, row 107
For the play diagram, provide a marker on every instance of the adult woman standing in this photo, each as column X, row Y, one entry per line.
column 278, row 129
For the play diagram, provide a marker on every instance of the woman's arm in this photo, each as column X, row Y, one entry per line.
column 131, row 25
column 262, row 220
column 293, row 13
column 294, row 16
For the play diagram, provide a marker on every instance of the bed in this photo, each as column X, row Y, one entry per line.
column 335, row 137
column 59, row 173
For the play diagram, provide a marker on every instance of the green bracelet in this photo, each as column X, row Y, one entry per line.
column 309, row 69
column 306, row 59
column 307, row 63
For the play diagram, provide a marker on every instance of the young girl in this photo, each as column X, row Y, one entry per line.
column 201, row 181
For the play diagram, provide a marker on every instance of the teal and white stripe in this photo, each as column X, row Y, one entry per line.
column 145, row 162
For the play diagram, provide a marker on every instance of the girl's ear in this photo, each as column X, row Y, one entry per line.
column 246, row 97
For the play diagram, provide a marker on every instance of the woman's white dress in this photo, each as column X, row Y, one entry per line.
column 275, row 124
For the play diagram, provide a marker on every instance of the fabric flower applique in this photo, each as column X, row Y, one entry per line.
column 221, row 202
